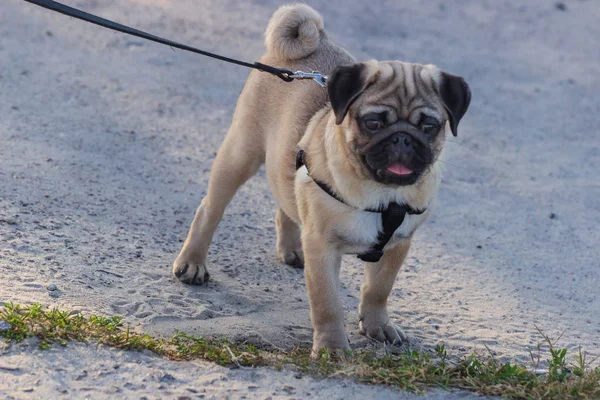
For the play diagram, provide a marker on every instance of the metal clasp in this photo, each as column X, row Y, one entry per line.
column 315, row 75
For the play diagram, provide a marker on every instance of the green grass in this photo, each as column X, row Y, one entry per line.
column 410, row 370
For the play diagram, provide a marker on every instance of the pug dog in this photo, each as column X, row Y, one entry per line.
column 337, row 161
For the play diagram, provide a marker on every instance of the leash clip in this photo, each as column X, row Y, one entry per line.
column 315, row 75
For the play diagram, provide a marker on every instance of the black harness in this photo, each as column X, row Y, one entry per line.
column 391, row 217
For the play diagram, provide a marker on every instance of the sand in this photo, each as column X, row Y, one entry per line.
column 95, row 372
column 106, row 142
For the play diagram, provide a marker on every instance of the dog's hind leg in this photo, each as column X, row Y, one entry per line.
column 239, row 157
column 289, row 244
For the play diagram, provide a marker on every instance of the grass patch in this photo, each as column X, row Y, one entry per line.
column 410, row 370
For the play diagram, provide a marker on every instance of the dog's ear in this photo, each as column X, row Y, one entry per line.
column 456, row 96
column 344, row 86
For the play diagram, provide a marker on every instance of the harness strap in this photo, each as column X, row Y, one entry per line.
column 391, row 217
column 301, row 160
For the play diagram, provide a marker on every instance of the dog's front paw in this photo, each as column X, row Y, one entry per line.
column 378, row 327
column 190, row 272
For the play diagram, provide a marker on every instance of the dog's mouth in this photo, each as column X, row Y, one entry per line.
column 398, row 155
column 399, row 172
column 404, row 170
column 399, row 168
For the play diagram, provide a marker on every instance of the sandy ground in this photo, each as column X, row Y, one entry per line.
column 106, row 142
column 95, row 372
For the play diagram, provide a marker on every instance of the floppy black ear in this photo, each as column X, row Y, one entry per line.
column 456, row 96
column 344, row 86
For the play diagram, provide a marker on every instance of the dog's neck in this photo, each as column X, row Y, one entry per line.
column 349, row 180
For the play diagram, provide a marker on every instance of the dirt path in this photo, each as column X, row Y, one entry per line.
column 106, row 142
column 92, row 372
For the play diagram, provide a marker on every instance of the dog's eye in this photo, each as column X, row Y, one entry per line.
column 373, row 124
column 428, row 124
column 429, row 128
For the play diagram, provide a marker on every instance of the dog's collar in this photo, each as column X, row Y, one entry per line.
column 392, row 216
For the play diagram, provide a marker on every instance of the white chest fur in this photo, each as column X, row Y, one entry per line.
column 357, row 230
column 360, row 230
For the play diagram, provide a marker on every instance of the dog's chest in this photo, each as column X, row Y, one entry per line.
column 357, row 231
column 360, row 230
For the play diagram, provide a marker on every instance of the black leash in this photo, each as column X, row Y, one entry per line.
column 282, row 73
column 391, row 217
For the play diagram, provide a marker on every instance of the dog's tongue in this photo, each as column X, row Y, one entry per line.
column 399, row 169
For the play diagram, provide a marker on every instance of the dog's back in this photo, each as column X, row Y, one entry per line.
column 269, row 120
column 295, row 39
column 279, row 112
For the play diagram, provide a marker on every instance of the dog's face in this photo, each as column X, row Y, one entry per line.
column 393, row 115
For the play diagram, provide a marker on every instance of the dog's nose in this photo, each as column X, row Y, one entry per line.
column 404, row 139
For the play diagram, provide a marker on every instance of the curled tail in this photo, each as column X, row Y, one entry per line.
column 294, row 32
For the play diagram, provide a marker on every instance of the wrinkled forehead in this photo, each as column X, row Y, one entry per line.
column 404, row 88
